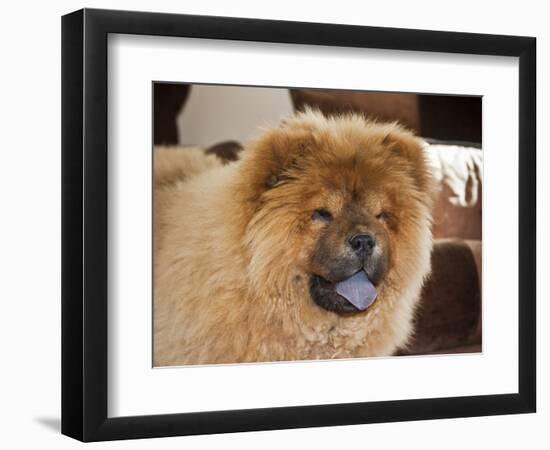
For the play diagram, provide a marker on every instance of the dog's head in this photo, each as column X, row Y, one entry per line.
column 339, row 210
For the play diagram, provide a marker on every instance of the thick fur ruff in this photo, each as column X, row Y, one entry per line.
column 234, row 243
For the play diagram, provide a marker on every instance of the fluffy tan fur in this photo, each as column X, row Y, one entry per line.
column 233, row 244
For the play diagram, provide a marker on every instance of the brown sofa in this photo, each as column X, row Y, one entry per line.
column 444, row 117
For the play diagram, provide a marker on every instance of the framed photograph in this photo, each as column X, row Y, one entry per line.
column 273, row 224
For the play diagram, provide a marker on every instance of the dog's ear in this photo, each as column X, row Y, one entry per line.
column 410, row 149
column 285, row 157
column 277, row 157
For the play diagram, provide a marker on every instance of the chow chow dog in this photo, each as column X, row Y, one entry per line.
column 313, row 245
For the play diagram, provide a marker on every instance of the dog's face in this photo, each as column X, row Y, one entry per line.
column 340, row 208
column 353, row 229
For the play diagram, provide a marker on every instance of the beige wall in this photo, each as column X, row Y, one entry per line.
column 217, row 113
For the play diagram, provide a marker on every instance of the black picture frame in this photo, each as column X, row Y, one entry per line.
column 84, row 224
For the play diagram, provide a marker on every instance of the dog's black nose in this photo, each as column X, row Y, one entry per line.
column 362, row 244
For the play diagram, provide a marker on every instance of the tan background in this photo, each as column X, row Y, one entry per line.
column 219, row 113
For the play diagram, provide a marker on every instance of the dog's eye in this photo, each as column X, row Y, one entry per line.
column 383, row 216
column 322, row 214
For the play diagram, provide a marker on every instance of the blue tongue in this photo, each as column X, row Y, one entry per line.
column 358, row 290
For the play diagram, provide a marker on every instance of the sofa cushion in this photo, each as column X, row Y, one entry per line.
column 458, row 171
column 448, row 318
